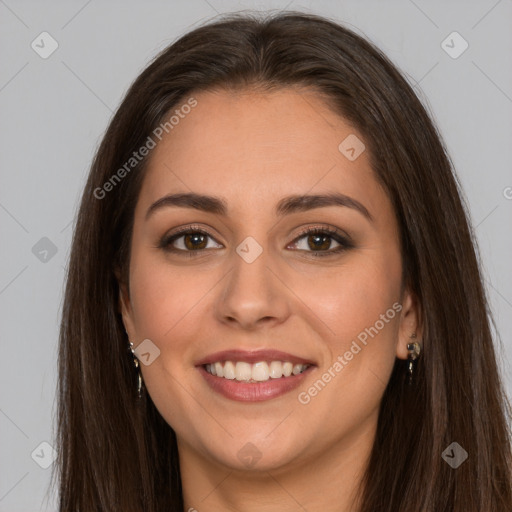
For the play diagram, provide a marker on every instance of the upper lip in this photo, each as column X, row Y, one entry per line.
column 253, row 356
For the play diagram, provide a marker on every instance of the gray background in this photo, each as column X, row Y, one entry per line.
column 54, row 112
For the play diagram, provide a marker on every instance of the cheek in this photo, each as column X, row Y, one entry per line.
column 362, row 309
column 168, row 305
column 172, row 307
column 165, row 297
column 354, row 297
column 360, row 304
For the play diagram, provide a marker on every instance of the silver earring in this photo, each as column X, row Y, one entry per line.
column 139, row 377
column 414, row 350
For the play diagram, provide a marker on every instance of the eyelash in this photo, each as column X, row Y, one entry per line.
column 335, row 234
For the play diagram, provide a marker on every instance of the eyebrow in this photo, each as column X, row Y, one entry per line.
column 286, row 206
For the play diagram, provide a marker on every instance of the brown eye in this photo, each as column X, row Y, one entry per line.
column 195, row 241
column 188, row 242
column 319, row 242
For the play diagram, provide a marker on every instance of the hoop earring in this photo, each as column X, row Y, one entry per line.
column 414, row 350
column 139, row 376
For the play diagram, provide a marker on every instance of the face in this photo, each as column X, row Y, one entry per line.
column 292, row 264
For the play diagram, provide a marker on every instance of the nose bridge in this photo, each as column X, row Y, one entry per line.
column 251, row 291
column 250, row 266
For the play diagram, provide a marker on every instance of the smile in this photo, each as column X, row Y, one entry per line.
column 254, row 375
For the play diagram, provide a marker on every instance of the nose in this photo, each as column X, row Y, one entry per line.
column 253, row 295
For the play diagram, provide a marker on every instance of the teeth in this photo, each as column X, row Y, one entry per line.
column 296, row 369
column 276, row 369
column 260, row 372
column 257, row 372
column 287, row 369
column 242, row 371
column 229, row 370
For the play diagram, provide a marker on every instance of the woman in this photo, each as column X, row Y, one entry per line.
column 274, row 300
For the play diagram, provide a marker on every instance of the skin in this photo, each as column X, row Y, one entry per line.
column 252, row 149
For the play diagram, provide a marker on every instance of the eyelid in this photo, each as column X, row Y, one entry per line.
column 189, row 228
column 327, row 229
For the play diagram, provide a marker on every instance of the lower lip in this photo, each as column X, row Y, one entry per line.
column 253, row 391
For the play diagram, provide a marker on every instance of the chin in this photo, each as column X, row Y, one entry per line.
column 256, row 451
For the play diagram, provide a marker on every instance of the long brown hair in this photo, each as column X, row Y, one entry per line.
column 116, row 453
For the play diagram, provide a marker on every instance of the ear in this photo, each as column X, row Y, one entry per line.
column 125, row 308
column 410, row 323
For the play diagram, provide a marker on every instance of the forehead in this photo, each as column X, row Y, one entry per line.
column 251, row 146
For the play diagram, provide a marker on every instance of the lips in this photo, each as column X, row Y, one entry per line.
column 243, row 387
